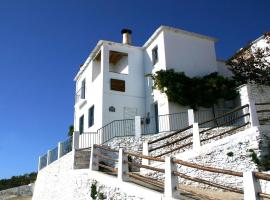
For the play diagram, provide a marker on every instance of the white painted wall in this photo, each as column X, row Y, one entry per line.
column 93, row 96
column 153, row 96
column 134, row 96
column 190, row 54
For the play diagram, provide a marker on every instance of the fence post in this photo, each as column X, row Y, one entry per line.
column 94, row 160
column 171, row 181
column 75, row 140
column 138, row 127
column 196, row 138
column 254, row 121
column 39, row 162
column 191, row 118
column 251, row 186
column 60, row 149
column 145, row 153
column 122, row 166
column 49, row 155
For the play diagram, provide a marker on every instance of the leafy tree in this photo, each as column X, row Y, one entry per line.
column 16, row 181
column 252, row 64
column 194, row 92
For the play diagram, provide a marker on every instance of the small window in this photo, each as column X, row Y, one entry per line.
column 83, row 90
column 81, row 124
column 118, row 85
column 155, row 55
column 91, row 116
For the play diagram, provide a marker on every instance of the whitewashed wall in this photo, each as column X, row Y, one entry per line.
column 190, row 54
column 133, row 97
column 93, row 96
column 153, row 96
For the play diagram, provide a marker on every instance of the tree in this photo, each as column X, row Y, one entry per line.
column 70, row 130
column 252, row 63
column 16, row 181
column 194, row 92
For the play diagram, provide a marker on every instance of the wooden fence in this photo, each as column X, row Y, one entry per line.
column 169, row 168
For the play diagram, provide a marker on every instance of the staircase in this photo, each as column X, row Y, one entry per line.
column 82, row 159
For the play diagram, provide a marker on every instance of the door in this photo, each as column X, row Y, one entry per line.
column 129, row 125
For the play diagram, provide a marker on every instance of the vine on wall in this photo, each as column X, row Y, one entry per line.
column 194, row 92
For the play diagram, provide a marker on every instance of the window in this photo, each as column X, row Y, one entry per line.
column 155, row 55
column 81, row 124
column 118, row 85
column 83, row 90
column 91, row 116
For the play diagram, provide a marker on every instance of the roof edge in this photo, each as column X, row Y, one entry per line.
column 177, row 30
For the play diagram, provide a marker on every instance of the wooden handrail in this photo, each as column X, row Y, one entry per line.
column 264, row 195
column 262, row 111
column 146, row 167
column 199, row 180
column 261, row 104
column 225, row 123
column 146, row 179
column 108, row 167
column 227, row 113
column 144, row 156
column 105, row 157
column 170, row 143
column 233, row 129
column 171, row 134
column 263, row 176
column 185, row 145
column 209, row 169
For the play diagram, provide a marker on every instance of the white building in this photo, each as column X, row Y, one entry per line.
column 111, row 84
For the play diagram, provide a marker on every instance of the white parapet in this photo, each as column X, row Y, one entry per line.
column 145, row 153
column 49, row 156
column 138, row 127
column 191, row 118
column 251, row 186
column 60, row 149
column 254, row 120
column 39, row 162
column 94, row 160
column 122, row 166
column 196, row 138
column 171, row 181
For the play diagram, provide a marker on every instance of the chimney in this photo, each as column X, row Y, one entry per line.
column 126, row 36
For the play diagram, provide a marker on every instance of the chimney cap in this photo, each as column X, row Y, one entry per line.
column 125, row 30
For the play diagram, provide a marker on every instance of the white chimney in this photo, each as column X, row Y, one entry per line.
column 126, row 36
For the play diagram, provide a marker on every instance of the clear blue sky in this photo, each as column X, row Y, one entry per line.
column 43, row 42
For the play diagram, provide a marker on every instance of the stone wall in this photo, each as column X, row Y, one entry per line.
column 59, row 181
column 22, row 191
column 232, row 152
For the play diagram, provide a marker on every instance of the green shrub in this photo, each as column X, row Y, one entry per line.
column 230, row 154
column 94, row 190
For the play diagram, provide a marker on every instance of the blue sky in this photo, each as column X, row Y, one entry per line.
column 43, row 42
